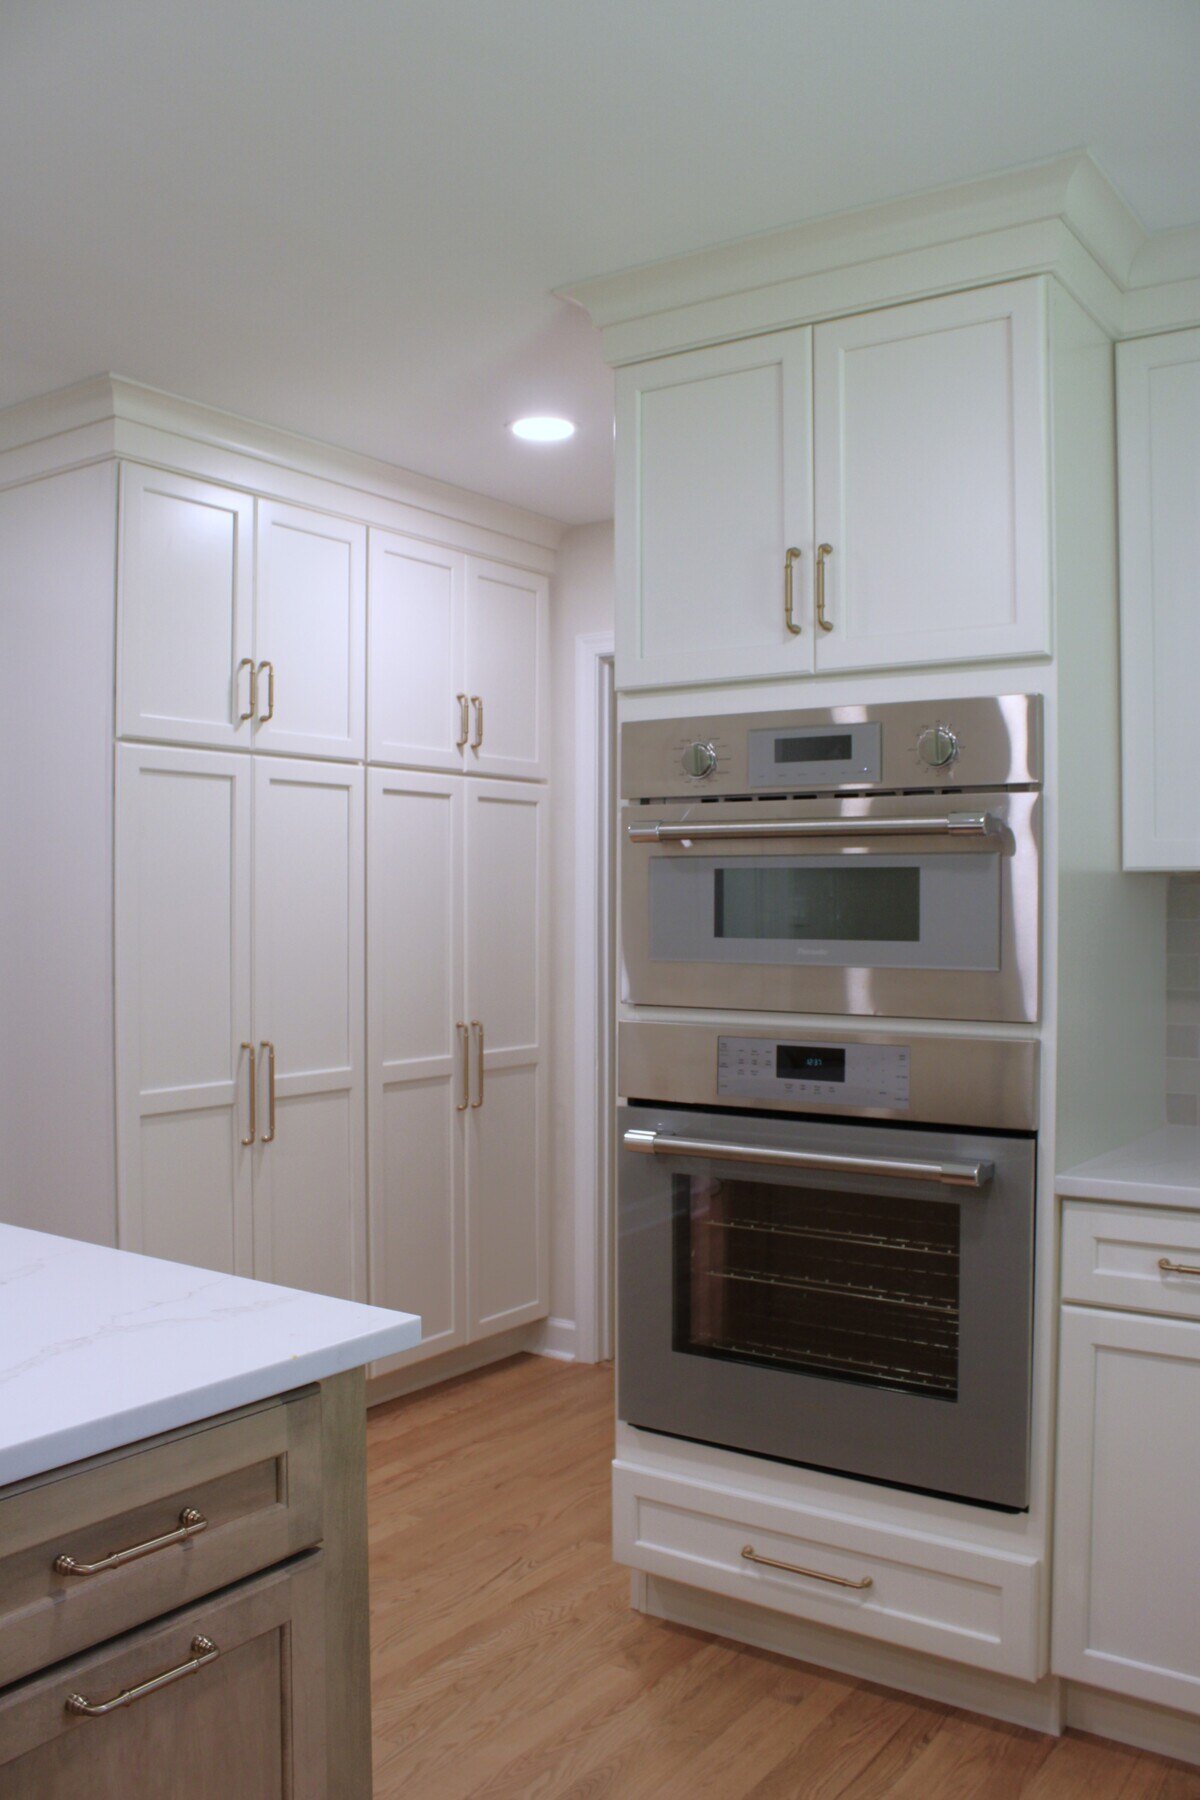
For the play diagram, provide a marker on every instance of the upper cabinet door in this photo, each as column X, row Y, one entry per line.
column 417, row 712
column 714, row 489
column 185, row 608
column 1158, row 440
column 310, row 633
column 507, row 668
column 931, row 432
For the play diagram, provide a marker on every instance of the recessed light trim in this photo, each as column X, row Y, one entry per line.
column 543, row 428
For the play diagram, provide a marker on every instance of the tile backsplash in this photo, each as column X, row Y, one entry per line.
column 1183, row 1000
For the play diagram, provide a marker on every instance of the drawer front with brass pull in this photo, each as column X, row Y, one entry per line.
column 226, row 1697
column 1139, row 1258
column 110, row 1544
column 956, row 1599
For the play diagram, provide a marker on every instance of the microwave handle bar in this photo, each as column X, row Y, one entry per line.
column 956, row 824
column 950, row 1174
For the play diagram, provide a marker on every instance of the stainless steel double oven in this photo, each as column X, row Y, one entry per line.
column 826, row 1232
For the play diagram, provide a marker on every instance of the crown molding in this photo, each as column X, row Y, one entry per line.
column 136, row 420
column 1062, row 216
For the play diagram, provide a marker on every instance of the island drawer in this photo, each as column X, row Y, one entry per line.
column 105, row 1545
column 954, row 1599
column 1139, row 1258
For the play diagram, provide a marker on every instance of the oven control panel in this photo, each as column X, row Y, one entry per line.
column 813, row 1073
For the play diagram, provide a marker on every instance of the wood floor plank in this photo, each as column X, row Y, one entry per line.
column 507, row 1663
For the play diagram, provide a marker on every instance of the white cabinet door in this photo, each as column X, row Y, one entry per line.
column 1126, row 1573
column 507, row 934
column 183, row 1005
column 310, row 632
column 932, row 477
column 714, row 487
column 417, row 712
column 507, row 669
column 1158, row 440
column 309, row 1178
column 185, row 610
column 417, row 1048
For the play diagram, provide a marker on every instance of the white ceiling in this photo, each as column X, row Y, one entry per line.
column 346, row 217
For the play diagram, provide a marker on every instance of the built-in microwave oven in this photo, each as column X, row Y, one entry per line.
column 875, row 861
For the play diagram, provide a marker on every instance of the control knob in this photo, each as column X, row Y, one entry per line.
column 937, row 746
column 699, row 760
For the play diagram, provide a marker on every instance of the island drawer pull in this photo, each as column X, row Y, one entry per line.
column 1173, row 1268
column 203, row 1651
column 191, row 1523
column 770, row 1562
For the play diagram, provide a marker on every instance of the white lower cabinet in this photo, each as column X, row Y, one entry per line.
column 456, row 1047
column 1126, row 1573
column 964, row 1601
column 240, row 977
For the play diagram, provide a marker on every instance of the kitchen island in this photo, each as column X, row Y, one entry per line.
column 183, row 1598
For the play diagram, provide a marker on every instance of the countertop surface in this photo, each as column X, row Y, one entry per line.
column 100, row 1347
column 1160, row 1169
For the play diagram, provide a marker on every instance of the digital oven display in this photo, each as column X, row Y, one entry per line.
column 838, row 748
column 806, row 1062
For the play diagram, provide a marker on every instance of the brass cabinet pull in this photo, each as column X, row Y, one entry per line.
column 268, row 1136
column 1173, row 1268
column 191, row 1523
column 477, row 703
column 477, row 1027
column 789, row 617
column 253, row 1098
column 247, row 662
column 203, row 1651
column 464, row 721
column 464, row 1038
column 823, row 550
column 769, row 1562
column 270, row 712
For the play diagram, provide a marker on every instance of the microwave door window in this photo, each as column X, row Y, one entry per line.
column 841, row 904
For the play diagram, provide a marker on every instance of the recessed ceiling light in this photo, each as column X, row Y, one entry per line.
column 542, row 429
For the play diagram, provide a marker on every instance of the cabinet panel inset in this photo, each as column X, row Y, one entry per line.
column 415, row 670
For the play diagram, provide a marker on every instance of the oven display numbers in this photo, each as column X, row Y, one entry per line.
column 863, row 1076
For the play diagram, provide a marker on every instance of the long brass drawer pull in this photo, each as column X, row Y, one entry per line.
column 268, row 1136
column 789, row 610
column 464, row 721
column 464, row 1038
column 191, row 1523
column 823, row 620
column 769, row 1562
column 247, row 662
column 1173, row 1268
column 477, row 740
column 203, row 1651
column 246, row 1141
column 265, row 718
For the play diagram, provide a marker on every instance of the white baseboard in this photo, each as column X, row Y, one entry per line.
column 554, row 1337
column 1036, row 1705
column 1133, row 1722
column 411, row 1380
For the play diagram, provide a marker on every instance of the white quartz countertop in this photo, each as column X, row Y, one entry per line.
column 100, row 1347
column 1160, row 1169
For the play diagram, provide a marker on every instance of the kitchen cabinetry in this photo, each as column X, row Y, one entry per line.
column 234, row 634
column 459, row 661
column 456, row 1036
column 1158, row 441
column 1126, row 1584
column 864, row 493
column 240, row 975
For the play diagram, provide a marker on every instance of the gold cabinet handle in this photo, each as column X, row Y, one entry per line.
column 789, row 616
column 464, row 721
column 203, row 1651
column 769, row 1562
column 477, row 740
column 478, row 1028
column 270, row 712
column 253, row 1098
column 464, row 1040
column 268, row 1136
column 1173, row 1268
column 823, row 551
column 247, row 662
column 191, row 1523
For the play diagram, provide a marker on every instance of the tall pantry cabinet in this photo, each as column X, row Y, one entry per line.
column 327, row 1002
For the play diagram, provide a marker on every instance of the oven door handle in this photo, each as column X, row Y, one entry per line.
column 949, row 824
column 949, row 1174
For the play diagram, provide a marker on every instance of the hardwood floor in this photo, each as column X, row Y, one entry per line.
column 507, row 1661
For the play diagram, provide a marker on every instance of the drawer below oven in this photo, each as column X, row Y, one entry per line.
column 954, row 1600
column 1113, row 1256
